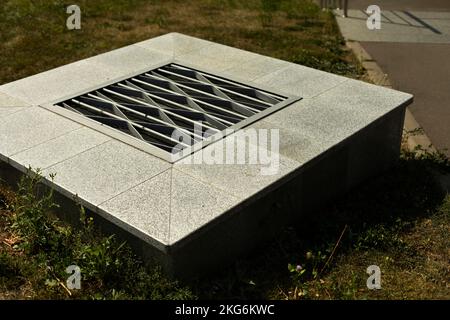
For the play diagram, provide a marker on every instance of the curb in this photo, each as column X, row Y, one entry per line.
column 378, row 77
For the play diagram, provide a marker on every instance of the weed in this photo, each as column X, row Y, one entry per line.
column 45, row 247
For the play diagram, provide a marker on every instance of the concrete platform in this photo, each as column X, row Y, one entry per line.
column 192, row 218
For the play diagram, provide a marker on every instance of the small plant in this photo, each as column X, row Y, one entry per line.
column 46, row 247
column 30, row 222
column 297, row 272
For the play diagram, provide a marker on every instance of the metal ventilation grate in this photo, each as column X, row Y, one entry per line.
column 175, row 99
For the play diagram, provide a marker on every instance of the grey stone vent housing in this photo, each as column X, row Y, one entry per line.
column 191, row 217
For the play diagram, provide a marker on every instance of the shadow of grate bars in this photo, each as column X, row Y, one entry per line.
column 174, row 107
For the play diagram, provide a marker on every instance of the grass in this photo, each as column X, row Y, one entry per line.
column 398, row 221
column 36, row 248
column 34, row 36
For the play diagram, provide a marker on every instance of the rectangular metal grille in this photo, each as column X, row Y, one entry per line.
column 153, row 105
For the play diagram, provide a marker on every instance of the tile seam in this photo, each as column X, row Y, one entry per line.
column 133, row 187
column 47, row 141
column 18, row 111
column 56, row 137
column 169, row 235
column 73, row 156
column 207, row 183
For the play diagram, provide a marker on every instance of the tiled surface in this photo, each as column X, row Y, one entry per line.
column 311, row 126
column 341, row 111
column 175, row 44
column 217, row 57
column 337, row 113
column 297, row 143
column 169, row 206
column 8, row 101
column 7, row 111
column 301, row 81
column 28, row 128
column 257, row 67
column 57, row 83
column 146, row 206
column 130, row 59
column 59, row 149
column 103, row 172
column 194, row 204
column 81, row 76
column 241, row 180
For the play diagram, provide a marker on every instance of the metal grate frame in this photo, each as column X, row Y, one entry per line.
column 175, row 108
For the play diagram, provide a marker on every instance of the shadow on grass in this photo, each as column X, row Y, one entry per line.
column 373, row 216
column 372, row 220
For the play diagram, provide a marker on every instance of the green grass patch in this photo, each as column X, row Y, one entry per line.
column 34, row 36
column 398, row 221
column 37, row 248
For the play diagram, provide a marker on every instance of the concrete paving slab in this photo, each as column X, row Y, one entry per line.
column 145, row 207
column 59, row 149
column 301, row 81
column 195, row 204
column 432, row 15
column 442, row 26
column 7, row 101
column 394, row 18
column 75, row 78
column 242, row 180
column 217, row 57
column 258, row 67
column 128, row 60
column 117, row 168
column 409, row 18
column 56, row 83
column 26, row 129
column 343, row 110
column 169, row 206
column 7, row 111
column 311, row 126
column 297, row 143
column 175, row 43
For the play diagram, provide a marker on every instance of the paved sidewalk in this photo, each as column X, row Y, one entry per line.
column 397, row 26
column 413, row 49
column 423, row 70
column 414, row 5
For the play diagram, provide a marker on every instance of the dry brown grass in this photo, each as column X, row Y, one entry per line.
column 35, row 40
